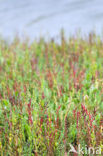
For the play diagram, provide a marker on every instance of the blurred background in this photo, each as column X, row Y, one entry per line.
column 35, row 18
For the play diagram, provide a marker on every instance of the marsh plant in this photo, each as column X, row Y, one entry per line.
column 51, row 95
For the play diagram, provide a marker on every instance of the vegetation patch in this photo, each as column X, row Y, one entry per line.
column 51, row 96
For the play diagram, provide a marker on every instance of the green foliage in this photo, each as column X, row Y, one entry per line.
column 50, row 95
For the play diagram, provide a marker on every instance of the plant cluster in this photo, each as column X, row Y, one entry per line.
column 51, row 95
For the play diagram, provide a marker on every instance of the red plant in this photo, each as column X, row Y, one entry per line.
column 50, row 79
column 29, row 113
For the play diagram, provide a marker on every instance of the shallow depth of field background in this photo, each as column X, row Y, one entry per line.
column 46, row 17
